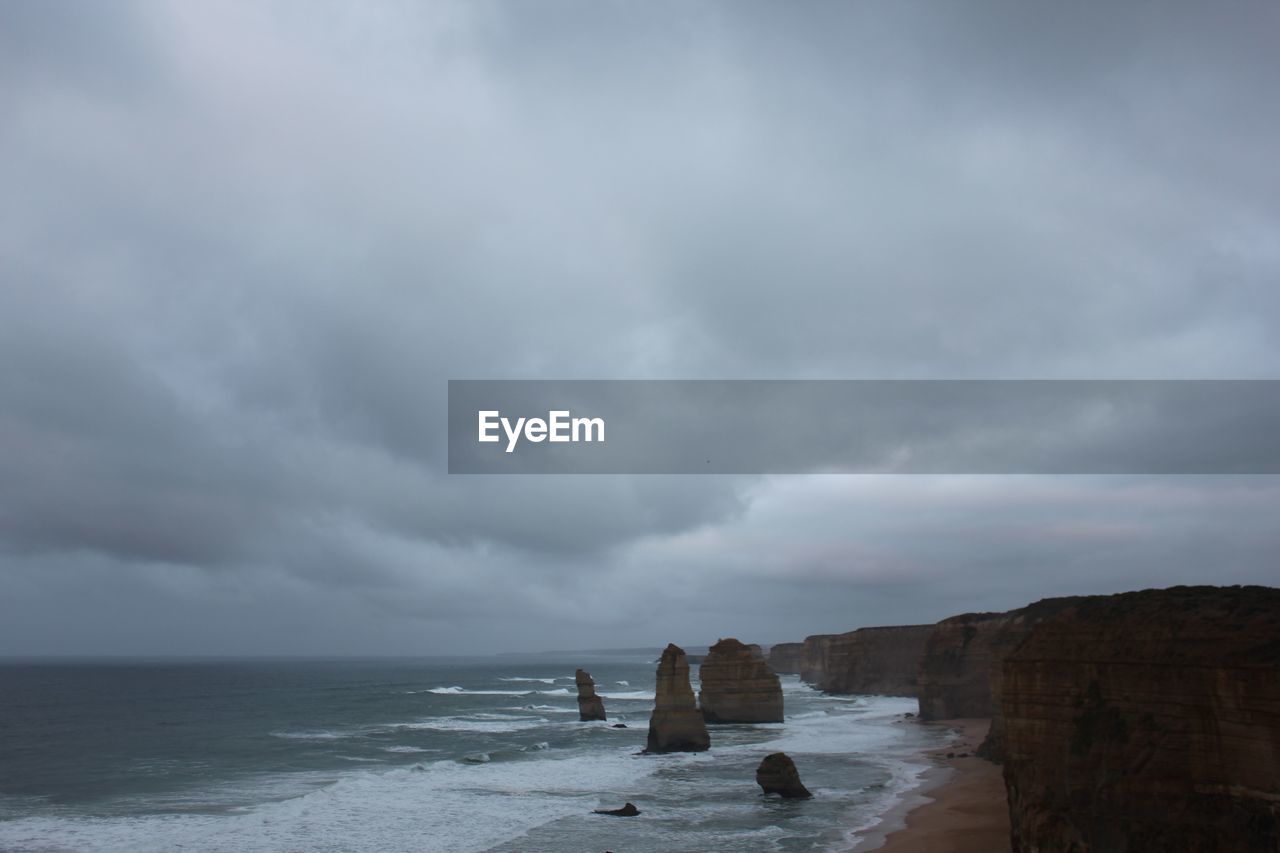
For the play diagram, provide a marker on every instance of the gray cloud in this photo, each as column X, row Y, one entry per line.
column 243, row 246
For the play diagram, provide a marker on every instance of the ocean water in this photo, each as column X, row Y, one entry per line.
column 435, row 755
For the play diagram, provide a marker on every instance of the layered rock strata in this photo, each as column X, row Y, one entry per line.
column 777, row 774
column 590, row 706
column 955, row 669
column 737, row 685
column 785, row 658
column 676, row 724
column 883, row 661
column 1147, row 721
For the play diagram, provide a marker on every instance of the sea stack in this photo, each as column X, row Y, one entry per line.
column 738, row 686
column 777, row 774
column 590, row 706
column 1147, row 721
column 676, row 724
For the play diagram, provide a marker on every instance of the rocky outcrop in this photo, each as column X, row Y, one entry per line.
column 629, row 810
column 955, row 669
column 1147, row 721
column 777, row 774
column 882, row 661
column 813, row 663
column 962, row 666
column 590, row 706
column 738, row 686
column 785, row 658
column 676, row 724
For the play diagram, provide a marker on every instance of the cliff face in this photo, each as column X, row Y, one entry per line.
column 1147, row 721
column 882, row 661
column 738, row 686
column 813, row 661
column 676, row 724
column 955, row 667
column 590, row 706
column 785, row 658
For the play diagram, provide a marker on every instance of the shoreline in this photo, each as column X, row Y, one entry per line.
column 960, row 805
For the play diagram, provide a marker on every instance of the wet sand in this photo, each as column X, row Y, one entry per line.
column 961, row 808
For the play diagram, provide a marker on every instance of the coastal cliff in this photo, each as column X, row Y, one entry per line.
column 676, row 724
column 1147, row 721
column 883, row 661
column 785, row 658
column 961, row 671
column 955, row 667
column 738, row 686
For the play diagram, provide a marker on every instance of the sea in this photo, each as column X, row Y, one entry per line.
column 458, row 754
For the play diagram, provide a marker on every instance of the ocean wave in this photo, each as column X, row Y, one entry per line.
column 461, row 691
column 523, row 678
column 484, row 724
column 636, row 695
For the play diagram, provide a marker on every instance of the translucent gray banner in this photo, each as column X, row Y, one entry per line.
column 864, row 426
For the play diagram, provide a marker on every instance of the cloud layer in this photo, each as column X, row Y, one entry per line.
column 243, row 246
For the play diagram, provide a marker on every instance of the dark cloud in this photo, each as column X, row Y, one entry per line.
column 243, row 247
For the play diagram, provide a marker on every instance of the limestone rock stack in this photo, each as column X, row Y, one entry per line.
column 738, row 686
column 777, row 774
column 1147, row 721
column 676, row 724
column 590, row 706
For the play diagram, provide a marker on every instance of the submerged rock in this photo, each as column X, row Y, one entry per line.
column 738, row 686
column 777, row 774
column 590, row 706
column 676, row 724
column 629, row 810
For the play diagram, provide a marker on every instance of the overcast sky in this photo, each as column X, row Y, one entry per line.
column 243, row 247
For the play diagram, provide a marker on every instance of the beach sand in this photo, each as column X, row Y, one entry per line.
column 961, row 807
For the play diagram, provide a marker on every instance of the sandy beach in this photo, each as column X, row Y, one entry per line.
column 961, row 808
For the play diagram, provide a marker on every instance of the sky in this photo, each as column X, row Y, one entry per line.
column 243, row 247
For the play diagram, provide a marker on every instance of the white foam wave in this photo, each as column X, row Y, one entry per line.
column 460, row 691
column 483, row 723
column 638, row 695
column 522, row 678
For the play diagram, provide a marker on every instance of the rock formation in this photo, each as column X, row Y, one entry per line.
column 590, row 706
column 629, row 810
column 955, row 669
column 785, row 658
column 813, row 663
column 882, row 661
column 777, row 774
column 676, row 724
column 738, row 686
column 962, row 666
column 1147, row 721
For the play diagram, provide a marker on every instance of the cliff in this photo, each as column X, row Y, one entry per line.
column 738, row 686
column 676, row 724
column 955, row 667
column 883, row 661
column 590, row 706
column 962, row 666
column 1147, row 721
column 785, row 658
column 813, row 661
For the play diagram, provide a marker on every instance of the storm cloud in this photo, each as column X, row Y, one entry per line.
column 244, row 246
